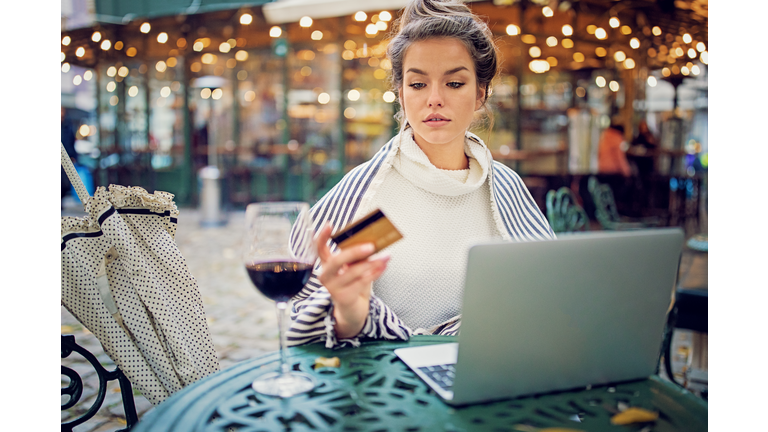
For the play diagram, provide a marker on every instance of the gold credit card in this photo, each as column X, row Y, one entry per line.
column 374, row 228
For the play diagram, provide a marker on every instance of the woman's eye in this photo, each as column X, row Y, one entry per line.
column 455, row 84
column 416, row 86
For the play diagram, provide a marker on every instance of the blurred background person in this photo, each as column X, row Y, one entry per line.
column 642, row 152
column 611, row 156
column 612, row 164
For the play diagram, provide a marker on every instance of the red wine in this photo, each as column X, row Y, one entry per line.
column 279, row 281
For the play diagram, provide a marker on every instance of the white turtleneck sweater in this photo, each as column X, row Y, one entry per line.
column 440, row 213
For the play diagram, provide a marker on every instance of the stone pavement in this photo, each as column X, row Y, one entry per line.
column 242, row 322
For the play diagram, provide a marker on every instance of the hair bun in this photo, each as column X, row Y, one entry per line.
column 417, row 10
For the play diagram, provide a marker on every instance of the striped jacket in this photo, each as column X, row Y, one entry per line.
column 517, row 217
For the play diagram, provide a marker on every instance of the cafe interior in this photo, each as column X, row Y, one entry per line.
column 275, row 101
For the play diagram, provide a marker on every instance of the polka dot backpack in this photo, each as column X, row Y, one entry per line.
column 124, row 279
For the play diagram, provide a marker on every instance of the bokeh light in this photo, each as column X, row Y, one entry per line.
column 552, row 41
column 600, row 81
column 600, row 33
column 538, row 66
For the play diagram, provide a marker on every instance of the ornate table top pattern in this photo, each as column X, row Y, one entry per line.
column 373, row 390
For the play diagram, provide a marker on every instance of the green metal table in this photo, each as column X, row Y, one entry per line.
column 373, row 390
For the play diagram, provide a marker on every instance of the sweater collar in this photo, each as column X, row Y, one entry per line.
column 414, row 165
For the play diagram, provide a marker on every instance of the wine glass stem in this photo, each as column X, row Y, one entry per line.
column 281, row 306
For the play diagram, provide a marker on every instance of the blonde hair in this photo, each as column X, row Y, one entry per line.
column 428, row 19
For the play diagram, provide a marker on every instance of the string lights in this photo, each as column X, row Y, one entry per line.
column 667, row 49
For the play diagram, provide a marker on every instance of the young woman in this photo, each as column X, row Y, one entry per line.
column 435, row 181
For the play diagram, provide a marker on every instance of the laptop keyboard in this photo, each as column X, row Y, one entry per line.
column 442, row 375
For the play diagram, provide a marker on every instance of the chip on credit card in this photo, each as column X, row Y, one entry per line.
column 374, row 228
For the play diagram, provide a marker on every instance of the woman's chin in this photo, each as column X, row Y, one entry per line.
column 438, row 136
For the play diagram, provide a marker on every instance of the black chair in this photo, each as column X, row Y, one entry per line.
column 691, row 306
column 75, row 387
column 689, row 313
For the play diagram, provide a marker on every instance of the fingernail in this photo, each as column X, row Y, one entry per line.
column 382, row 256
column 368, row 247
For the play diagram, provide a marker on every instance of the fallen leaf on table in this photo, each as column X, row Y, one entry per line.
column 634, row 415
column 327, row 362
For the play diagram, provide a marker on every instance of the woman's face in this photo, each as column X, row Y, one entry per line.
column 439, row 92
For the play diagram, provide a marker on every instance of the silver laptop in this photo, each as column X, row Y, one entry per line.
column 586, row 309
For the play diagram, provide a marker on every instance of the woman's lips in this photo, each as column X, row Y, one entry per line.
column 436, row 120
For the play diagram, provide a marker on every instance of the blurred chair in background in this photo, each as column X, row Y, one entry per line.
column 564, row 213
column 606, row 213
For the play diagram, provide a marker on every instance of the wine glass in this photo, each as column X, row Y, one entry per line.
column 279, row 255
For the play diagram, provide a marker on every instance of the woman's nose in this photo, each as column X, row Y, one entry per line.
column 435, row 97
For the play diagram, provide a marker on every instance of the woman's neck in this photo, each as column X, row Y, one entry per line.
column 448, row 156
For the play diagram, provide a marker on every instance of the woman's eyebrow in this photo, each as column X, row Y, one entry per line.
column 449, row 72
column 454, row 70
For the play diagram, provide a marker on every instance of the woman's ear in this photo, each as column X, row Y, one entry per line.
column 480, row 97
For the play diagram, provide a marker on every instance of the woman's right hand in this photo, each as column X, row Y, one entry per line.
column 348, row 275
